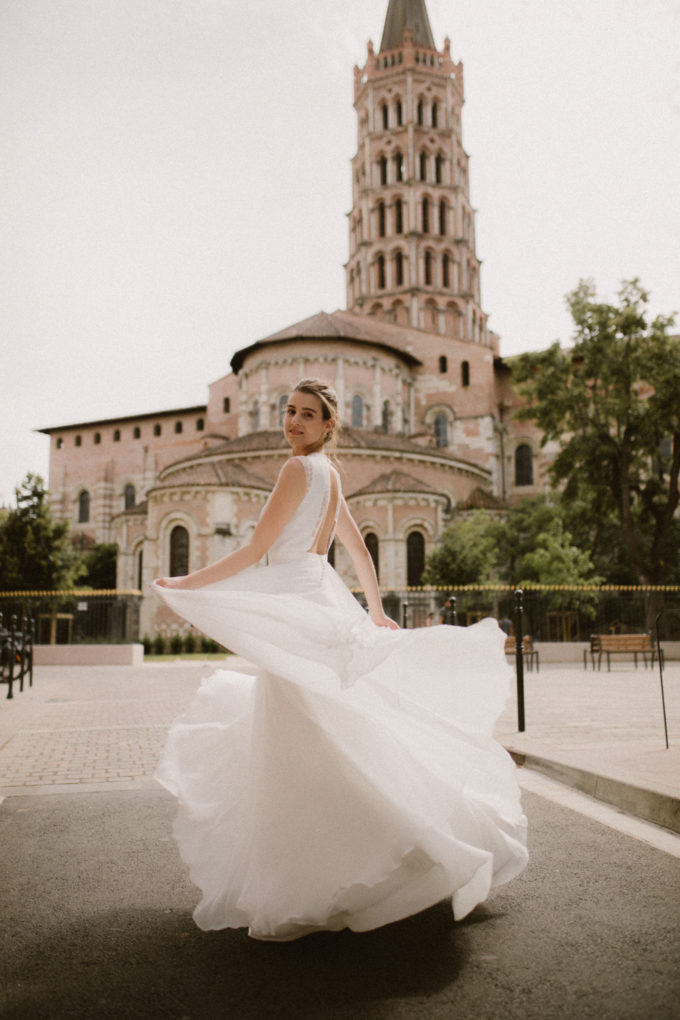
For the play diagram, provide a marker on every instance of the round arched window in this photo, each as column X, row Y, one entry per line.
column 83, row 507
column 441, row 429
column 179, row 551
column 415, row 558
column 524, row 465
column 371, row 540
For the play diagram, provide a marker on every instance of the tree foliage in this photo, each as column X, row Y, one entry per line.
column 466, row 553
column 612, row 405
column 35, row 551
column 530, row 545
column 99, row 562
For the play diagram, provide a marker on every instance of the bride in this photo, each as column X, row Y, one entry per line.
column 355, row 780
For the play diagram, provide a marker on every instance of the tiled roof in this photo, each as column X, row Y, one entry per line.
column 395, row 481
column 349, row 439
column 481, row 499
column 403, row 14
column 227, row 473
column 341, row 325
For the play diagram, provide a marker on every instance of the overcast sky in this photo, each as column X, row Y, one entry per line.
column 175, row 178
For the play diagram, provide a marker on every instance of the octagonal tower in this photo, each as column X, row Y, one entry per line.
column 412, row 257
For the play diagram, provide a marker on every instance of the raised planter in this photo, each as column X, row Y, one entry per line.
column 89, row 655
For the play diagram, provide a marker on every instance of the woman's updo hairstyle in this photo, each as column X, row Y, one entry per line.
column 329, row 405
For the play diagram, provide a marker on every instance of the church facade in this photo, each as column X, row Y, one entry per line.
column 426, row 400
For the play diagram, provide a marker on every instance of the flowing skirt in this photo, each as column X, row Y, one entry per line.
column 355, row 780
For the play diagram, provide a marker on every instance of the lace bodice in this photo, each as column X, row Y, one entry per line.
column 300, row 533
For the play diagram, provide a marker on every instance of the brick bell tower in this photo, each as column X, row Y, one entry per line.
column 412, row 258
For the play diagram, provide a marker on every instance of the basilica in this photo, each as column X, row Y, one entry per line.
column 427, row 401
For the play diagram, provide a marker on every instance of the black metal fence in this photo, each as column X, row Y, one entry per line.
column 16, row 651
column 77, row 617
column 550, row 613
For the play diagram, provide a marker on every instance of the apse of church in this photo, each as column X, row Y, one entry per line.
column 425, row 400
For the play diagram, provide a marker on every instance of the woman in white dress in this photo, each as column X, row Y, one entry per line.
column 355, row 780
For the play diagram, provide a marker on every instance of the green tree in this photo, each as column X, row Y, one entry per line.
column 517, row 534
column 35, row 551
column 611, row 404
column 99, row 561
column 466, row 553
column 555, row 560
column 531, row 544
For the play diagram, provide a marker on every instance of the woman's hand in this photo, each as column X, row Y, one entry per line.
column 171, row 582
column 380, row 620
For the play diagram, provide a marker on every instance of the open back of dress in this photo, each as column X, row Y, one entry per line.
column 312, row 527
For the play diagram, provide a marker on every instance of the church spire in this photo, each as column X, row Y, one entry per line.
column 402, row 14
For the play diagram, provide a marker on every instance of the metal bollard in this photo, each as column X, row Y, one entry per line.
column 404, row 615
column 519, row 656
column 12, row 652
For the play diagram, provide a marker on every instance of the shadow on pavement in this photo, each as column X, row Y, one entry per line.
column 141, row 963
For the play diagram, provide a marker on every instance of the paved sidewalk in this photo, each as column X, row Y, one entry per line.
column 99, row 728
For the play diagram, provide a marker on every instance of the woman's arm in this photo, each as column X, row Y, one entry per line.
column 350, row 536
column 286, row 496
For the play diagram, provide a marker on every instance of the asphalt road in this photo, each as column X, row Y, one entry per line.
column 96, row 913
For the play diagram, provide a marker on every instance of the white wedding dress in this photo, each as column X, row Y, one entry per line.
column 355, row 780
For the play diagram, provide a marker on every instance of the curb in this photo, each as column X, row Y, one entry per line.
column 659, row 808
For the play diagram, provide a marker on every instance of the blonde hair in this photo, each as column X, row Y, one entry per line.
column 329, row 405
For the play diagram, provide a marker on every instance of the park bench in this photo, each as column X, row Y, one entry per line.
column 624, row 644
column 16, row 653
column 529, row 652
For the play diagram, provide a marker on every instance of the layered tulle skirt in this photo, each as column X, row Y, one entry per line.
column 352, row 782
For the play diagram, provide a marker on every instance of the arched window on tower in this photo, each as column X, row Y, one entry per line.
column 179, row 551
column 399, row 269
column 446, row 276
column 382, row 164
column 441, row 430
column 398, row 166
column 428, row 268
column 399, row 112
column 357, row 412
column 435, row 115
column 84, row 507
column 438, row 164
column 442, row 218
column 398, row 216
column 380, row 271
column 426, row 215
column 422, row 166
column 524, row 465
column 283, row 401
column 129, row 496
column 419, row 112
column 431, row 317
column 385, row 116
column 381, row 219
column 465, row 373
column 443, row 364
column 386, row 416
column 415, row 558
column 255, row 416
column 371, row 542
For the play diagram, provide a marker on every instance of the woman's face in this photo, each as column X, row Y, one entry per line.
column 304, row 425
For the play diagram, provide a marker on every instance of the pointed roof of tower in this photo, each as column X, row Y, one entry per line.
column 403, row 14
